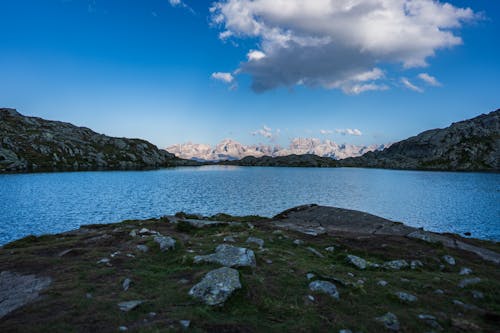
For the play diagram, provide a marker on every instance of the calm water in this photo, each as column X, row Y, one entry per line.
column 438, row 201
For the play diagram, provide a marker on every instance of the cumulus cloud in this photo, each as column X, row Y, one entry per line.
column 349, row 131
column 222, row 76
column 430, row 80
column 337, row 44
column 267, row 133
column 410, row 85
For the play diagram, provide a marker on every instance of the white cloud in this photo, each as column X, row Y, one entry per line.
column 337, row 44
column 182, row 4
column 410, row 85
column 430, row 80
column 222, row 76
column 326, row 132
column 267, row 132
column 175, row 3
column 349, row 131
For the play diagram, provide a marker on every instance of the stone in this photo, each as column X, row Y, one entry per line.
column 405, row 297
column 129, row 305
column 356, row 261
column 464, row 305
column 449, row 260
column 310, row 276
column 330, row 249
column 414, row 264
column 255, row 240
column 465, row 271
column 477, row 294
column 142, row 248
column 382, row 283
column 390, row 321
column 185, row 323
column 438, row 292
column 467, row 282
column 123, row 328
column 165, row 242
column 104, row 261
column 325, row 287
column 396, row 264
column 17, row 290
column 88, row 296
column 464, row 325
column 431, row 321
column 217, row 285
column 298, row 242
column 345, row 331
column 229, row 239
column 315, row 252
column 133, row 233
column 126, row 284
column 230, row 256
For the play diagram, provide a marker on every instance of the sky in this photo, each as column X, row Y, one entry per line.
column 172, row 71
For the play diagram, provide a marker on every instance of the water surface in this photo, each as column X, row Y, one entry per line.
column 438, row 201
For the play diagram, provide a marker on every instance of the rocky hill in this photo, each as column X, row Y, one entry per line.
column 308, row 269
column 34, row 144
column 232, row 150
column 467, row 145
column 306, row 160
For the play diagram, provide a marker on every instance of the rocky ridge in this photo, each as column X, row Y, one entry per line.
column 284, row 273
column 34, row 144
column 467, row 145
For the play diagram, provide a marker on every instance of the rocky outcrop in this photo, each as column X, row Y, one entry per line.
column 216, row 287
column 468, row 145
column 35, row 144
column 306, row 160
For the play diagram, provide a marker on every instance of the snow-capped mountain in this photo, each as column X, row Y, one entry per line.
column 232, row 150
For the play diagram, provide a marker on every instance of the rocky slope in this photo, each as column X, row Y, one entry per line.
column 467, row 145
column 34, row 144
column 232, row 150
column 308, row 269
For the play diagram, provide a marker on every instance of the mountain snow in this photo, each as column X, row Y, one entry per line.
column 232, row 150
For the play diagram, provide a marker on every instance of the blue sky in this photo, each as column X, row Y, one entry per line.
column 144, row 69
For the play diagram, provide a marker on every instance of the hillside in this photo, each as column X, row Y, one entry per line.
column 469, row 145
column 34, row 144
column 308, row 269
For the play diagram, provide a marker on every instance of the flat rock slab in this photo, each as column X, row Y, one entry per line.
column 324, row 287
column 17, row 290
column 202, row 223
column 129, row 305
column 217, row 285
column 316, row 220
column 229, row 256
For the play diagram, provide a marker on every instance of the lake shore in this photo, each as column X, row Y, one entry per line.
column 282, row 273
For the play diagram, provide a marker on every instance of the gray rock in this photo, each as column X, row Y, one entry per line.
column 396, row 264
column 229, row 239
column 217, row 285
column 465, row 271
column 405, row 297
column 255, row 240
column 414, row 264
column 166, row 243
column 330, row 249
column 185, row 323
column 129, row 305
column 17, row 290
column 315, row 252
column 230, row 256
column 298, row 242
column 438, row 292
column 477, row 294
column 390, row 321
column 142, row 248
column 356, row 261
column 104, row 261
column 126, row 284
column 133, row 233
column 464, row 305
column 310, row 276
column 382, row 283
column 123, row 328
column 467, row 282
column 325, row 287
column 449, row 260
column 345, row 331
column 431, row 321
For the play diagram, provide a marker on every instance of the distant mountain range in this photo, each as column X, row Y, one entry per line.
column 30, row 144
column 230, row 150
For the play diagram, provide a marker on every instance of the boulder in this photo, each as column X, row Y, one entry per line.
column 166, row 243
column 325, row 287
column 405, row 297
column 255, row 240
column 396, row 264
column 359, row 262
column 217, row 285
column 129, row 305
column 229, row 256
column 390, row 321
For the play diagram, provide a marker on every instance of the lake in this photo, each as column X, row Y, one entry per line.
column 438, row 201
